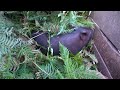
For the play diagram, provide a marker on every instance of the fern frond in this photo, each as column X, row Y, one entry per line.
column 2, row 65
column 26, row 76
column 9, row 40
column 74, row 70
column 24, row 72
column 83, row 73
column 46, row 71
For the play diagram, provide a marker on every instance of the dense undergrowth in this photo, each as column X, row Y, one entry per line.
column 20, row 60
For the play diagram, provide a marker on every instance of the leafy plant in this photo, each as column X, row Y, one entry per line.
column 20, row 60
column 70, row 68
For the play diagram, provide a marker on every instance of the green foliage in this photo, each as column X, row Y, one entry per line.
column 7, row 75
column 8, row 40
column 4, row 22
column 46, row 71
column 72, row 18
column 70, row 68
column 20, row 60
column 73, row 69
column 24, row 72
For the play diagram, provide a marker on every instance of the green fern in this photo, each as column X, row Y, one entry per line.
column 34, row 64
column 24, row 72
column 4, row 22
column 7, row 75
column 46, row 71
column 74, row 19
column 2, row 65
column 8, row 41
column 75, row 70
column 67, row 69
column 83, row 73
